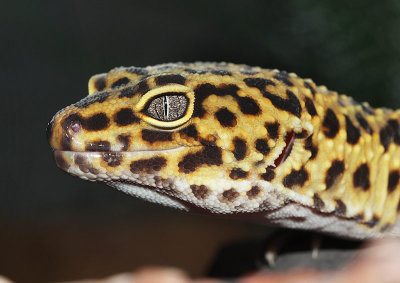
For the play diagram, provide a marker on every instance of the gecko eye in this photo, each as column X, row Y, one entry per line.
column 167, row 107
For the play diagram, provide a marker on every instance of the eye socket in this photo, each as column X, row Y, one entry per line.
column 169, row 106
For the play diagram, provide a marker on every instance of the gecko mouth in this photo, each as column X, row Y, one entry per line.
column 289, row 140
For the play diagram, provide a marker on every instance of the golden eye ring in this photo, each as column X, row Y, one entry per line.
column 168, row 106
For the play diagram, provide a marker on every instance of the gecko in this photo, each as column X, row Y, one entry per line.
column 236, row 140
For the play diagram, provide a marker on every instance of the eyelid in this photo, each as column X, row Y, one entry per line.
column 160, row 90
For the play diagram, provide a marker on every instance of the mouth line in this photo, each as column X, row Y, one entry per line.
column 289, row 141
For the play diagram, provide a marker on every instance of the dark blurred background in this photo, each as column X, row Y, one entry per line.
column 56, row 227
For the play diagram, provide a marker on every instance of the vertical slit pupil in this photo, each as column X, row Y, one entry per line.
column 166, row 108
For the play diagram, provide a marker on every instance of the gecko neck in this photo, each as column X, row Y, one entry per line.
column 362, row 146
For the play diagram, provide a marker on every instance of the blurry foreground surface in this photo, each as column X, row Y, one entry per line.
column 378, row 262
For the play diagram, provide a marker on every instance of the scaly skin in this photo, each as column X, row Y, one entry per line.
column 236, row 139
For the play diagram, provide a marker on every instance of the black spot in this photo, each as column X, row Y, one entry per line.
column 125, row 141
column 209, row 155
column 237, row 173
column 200, row 192
column 394, row 177
column 273, row 130
column 340, row 208
column 93, row 123
column 205, row 90
column 310, row 107
column 330, row 124
column 336, row 169
column 310, row 87
column 358, row 217
column 96, row 122
column 165, row 185
column 113, row 159
column 259, row 83
column 125, row 117
column 137, row 71
column 296, row 177
column 207, row 142
column 394, row 124
column 221, row 72
column 303, row 134
column 363, row 123
column 140, row 88
column 127, row 92
column 98, row 146
column 230, row 195
column 190, row 131
column 240, row 148
column 88, row 100
column 60, row 161
column 367, row 109
column 253, row 192
column 195, row 71
column 262, row 146
column 66, row 142
column 80, row 159
column 310, row 146
column 372, row 222
column 148, row 166
column 385, row 135
column 291, row 104
column 225, row 117
column 361, row 177
column 269, row 175
column 152, row 136
column 170, row 79
column 84, row 165
column 318, row 202
column 120, row 82
column 353, row 133
column 283, row 76
column 248, row 106
column 249, row 72
column 100, row 83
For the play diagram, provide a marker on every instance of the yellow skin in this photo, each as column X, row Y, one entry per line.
column 235, row 139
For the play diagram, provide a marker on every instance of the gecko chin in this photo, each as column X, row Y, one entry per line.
column 148, row 193
column 135, row 173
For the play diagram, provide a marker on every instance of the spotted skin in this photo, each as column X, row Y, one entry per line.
column 241, row 140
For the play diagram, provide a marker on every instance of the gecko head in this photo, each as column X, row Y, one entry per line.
column 184, row 133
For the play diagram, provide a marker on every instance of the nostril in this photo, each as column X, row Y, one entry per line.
column 75, row 127
column 72, row 125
